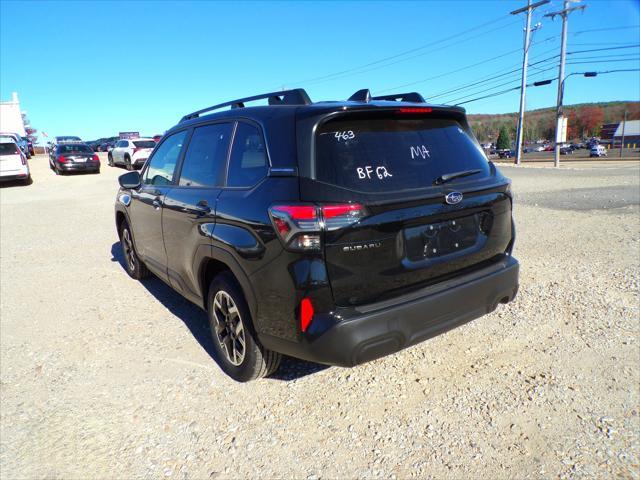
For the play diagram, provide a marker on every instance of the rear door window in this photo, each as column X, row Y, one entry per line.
column 394, row 154
column 248, row 163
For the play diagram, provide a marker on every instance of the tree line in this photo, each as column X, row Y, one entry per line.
column 584, row 121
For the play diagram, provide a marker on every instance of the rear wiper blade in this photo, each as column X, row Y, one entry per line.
column 447, row 177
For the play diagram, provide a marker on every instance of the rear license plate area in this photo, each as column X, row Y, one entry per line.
column 448, row 237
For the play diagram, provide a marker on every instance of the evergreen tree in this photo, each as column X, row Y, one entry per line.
column 504, row 141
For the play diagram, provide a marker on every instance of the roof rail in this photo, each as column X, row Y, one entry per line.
column 297, row 96
column 402, row 97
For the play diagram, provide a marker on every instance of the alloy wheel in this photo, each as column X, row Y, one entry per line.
column 229, row 328
column 127, row 246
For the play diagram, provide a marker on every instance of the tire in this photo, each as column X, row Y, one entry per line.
column 132, row 264
column 28, row 180
column 230, row 321
column 127, row 163
column 110, row 160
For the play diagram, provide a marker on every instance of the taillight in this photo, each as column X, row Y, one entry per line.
column 306, row 314
column 95, row 158
column 61, row 159
column 23, row 159
column 415, row 110
column 300, row 226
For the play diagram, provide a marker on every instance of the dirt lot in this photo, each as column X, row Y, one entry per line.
column 105, row 377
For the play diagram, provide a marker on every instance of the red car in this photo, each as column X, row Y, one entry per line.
column 549, row 148
column 156, row 138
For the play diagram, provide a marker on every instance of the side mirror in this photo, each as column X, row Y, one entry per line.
column 130, row 180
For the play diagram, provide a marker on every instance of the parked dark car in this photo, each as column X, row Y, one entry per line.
column 506, row 153
column 74, row 157
column 568, row 150
column 335, row 232
column 30, row 147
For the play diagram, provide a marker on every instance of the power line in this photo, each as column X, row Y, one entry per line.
column 637, row 45
column 482, row 62
column 503, row 92
column 359, row 70
column 606, row 29
column 490, row 78
column 606, row 61
column 409, row 51
column 495, row 86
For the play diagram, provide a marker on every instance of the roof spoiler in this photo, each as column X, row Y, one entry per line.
column 364, row 95
column 297, row 96
column 414, row 97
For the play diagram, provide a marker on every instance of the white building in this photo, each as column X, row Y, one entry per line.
column 11, row 116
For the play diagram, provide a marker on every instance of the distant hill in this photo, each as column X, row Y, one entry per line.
column 585, row 121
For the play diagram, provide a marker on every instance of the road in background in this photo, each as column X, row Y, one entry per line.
column 106, row 377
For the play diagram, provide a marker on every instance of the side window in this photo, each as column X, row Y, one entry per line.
column 162, row 164
column 206, row 156
column 248, row 163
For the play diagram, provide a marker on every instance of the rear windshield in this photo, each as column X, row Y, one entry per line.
column 8, row 149
column 393, row 154
column 68, row 139
column 74, row 149
column 144, row 143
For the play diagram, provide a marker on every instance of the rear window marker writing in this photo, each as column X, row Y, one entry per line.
column 366, row 172
column 348, row 135
column 420, row 151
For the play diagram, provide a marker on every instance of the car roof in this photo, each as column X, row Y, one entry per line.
column 297, row 101
column 7, row 140
column 145, row 139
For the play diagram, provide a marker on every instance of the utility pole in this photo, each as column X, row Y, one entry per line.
column 624, row 124
column 564, row 13
column 525, row 63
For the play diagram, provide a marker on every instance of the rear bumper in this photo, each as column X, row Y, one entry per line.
column 79, row 167
column 374, row 331
column 13, row 176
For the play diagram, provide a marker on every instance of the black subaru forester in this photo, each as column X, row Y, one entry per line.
column 335, row 232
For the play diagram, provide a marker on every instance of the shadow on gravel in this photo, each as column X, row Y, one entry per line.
column 196, row 321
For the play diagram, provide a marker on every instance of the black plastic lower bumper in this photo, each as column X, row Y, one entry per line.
column 381, row 329
column 79, row 167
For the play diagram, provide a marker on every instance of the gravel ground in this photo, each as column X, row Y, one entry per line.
column 105, row 377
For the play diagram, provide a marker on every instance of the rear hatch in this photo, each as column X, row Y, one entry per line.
column 142, row 149
column 418, row 224
column 77, row 153
column 10, row 158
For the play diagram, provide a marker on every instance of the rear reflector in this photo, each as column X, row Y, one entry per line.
column 415, row 110
column 306, row 314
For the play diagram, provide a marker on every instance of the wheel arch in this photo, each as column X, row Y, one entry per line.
column 222, row 261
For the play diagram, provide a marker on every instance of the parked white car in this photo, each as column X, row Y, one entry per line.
column 13, row 162
column 132, row 153
column 598, row 151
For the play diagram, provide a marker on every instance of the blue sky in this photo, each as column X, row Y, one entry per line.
column 96, row 68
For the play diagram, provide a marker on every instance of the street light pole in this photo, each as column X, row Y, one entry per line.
column 525, row 63
column 564, row 13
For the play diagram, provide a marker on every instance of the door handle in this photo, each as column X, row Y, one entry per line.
column 203, row 207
